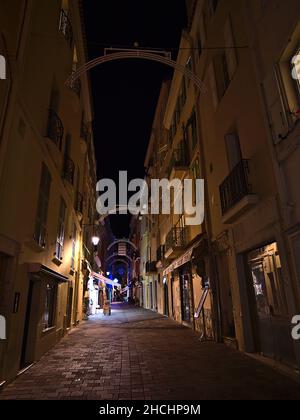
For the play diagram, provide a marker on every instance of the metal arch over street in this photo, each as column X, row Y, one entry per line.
column 137, row 54
column 121, row 241
column 115, row 255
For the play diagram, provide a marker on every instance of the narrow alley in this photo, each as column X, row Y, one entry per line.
column 137, row 354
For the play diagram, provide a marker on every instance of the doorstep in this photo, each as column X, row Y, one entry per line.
column 289, row 371
column 231, row 342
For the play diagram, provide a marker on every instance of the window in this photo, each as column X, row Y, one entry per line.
column 76, row 84
column 221, row 73
column 183, row 93
column 281, row 90
column 214, row 5
column 61, row 230
column 191, row 136
column 201, row 34
column 295, row 70
column 233, row 149
column 295, row 244
column 65, row 26
column 195, row 175
column 189, row 66
column 74, row 237
column 42, row 208
column 55, row 128
column 49, row 309
column 230, row 51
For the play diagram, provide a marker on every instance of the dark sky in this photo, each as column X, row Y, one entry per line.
column 125, row 92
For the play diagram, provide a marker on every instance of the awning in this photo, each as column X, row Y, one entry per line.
column 104, row 279
column 37, row 268
column 183, row 259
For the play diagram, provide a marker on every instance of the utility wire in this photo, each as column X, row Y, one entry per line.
column 165, row 49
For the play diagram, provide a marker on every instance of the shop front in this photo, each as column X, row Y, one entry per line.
column 267, row 293
column 186, row 288
column 44, row 319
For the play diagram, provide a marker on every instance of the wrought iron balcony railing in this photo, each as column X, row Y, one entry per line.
column 176, row 238
column 69, row 170
column 151, row 267
column 65, row 27
column 55, row 129
column 236, row 186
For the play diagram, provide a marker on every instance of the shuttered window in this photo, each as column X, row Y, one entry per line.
column 42, row 208
column 61, row 230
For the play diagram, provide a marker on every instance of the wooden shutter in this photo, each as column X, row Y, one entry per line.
column 275, row 105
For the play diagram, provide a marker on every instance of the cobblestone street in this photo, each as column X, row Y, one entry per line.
column 137, row 354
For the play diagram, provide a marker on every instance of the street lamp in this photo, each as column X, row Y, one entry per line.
column 95, row 240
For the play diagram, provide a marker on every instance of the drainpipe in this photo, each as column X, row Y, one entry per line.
column 214, row 278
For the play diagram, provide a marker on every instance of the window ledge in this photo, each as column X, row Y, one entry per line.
column 49, row 330
column 241, row 207
column 35, row 246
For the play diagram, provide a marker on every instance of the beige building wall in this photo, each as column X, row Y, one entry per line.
column 234, row 59
column 39, row 66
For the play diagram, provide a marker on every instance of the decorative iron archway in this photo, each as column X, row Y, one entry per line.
column 117, row 241
column 137, row 54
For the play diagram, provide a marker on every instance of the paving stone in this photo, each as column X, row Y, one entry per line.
column 136, row 354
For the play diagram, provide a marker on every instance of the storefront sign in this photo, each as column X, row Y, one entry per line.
column 180, row 261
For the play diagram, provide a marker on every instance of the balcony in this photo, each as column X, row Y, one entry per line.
column 65, row 27
column 69, row 170
column 179, row 163
column 55, row 129
column 236, row 193
column 176, row 241
column 151, row 267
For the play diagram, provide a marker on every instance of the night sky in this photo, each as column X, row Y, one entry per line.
column 125, row 92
